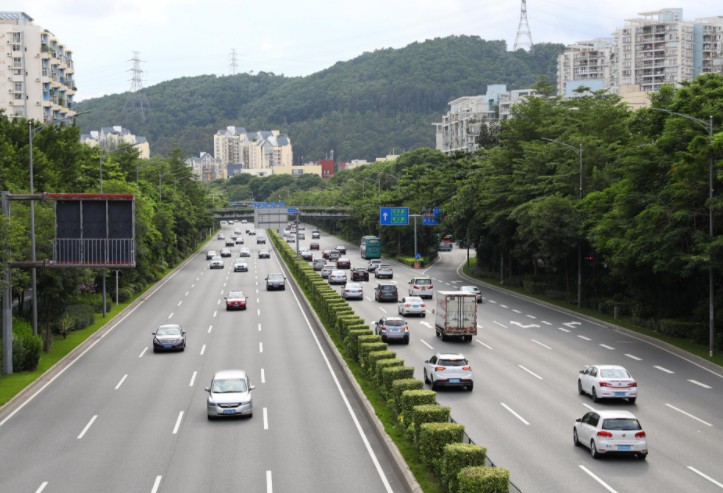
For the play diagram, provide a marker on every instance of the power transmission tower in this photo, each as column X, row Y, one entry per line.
column 523, row 31
column 137, row 98
column 234, row 62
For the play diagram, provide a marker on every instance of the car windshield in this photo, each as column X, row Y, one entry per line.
column 229, row 385
column 170, row 330
column 395, row 323
column 236, row 294
column 452, row 362
column 621, row 424
column 614, row 373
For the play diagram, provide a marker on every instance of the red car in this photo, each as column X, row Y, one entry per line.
column 236, row 300
column 313, row 246
column 343, row 263
column 325, row 254
column 359, row 274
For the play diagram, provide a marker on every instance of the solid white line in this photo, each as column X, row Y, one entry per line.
column 203, row 349
column 485, row 345
column 269, row 487
column 178, row 423
column 563, row 329
column 633, row 357
column 514, row 413
column 496, row 322
column 169, row 316
column 82, row 433
column 42, row 487
column 425, row 343
column 143, row 352
column 156, row 484
column 193, row 378
column 263, row 376
column 545, row 322
column 585, row 338
column 530, row 316
column 688, row 414
column 209, row 328
column 602, row 483
column 121, row 381
column 607, row 347
column 180, row 303
column 531, row 372
column 669, row 372
column 541, row 344
column 718, row 484
column 700, row 384
column 215, row 312
column 266, row 420
column 261, row 347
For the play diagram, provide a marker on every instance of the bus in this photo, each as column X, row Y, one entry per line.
column 371, row 247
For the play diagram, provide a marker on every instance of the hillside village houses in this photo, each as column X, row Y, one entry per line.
column 114, row 137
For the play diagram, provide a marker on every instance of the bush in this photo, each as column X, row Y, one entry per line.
column 369, row 347
column 350, row 343
column 411, row 399
column 432, row 439
column 360, row 340
column 375, row 356
column 381, row 365
column 685, row 329
column 82, row 315
column 26, row 347
column 427, row 413
column 457, row 456
column 394, row 373
column 125, row 294
column 398, row 389
column 64, row 324
column 483, row 480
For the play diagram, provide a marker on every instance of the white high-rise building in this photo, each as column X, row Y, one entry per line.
column 252, row 152
column 36, row 71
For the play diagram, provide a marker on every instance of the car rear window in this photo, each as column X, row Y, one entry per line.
column 621, row 424
column 395, row 323
column 388, row 288
column 423, row 282
column 452, row 362
column 236, row 294
column 614, row 373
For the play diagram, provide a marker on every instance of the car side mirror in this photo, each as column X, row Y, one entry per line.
column 252, row 387
column 207, row 389
column 578, row 420
column 426, row 361
column 410, row 282
column 581, row 371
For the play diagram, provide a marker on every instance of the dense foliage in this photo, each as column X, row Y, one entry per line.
column 376, row 104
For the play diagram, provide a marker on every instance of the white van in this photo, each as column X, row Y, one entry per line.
column 421, row 286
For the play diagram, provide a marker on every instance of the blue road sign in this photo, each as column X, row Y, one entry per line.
column 394, row 216
column 429, row 221
column 293, row 210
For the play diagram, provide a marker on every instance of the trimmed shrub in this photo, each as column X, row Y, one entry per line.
column 364, row 340
column 358, row 326
column 125, row 294
column 83, row 315
column 343, row 323
column 389, row 375
column 483, row 480
column 381, row 365
column 365, row 349
column 457, row 456
column 398, row 389
column 26, row 347
column 350, row 343
column 432, row 437
column 413, row 399
column 375, row 356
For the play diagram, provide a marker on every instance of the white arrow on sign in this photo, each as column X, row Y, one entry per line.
column 385, row 216
column 571, row 324
column 512, row 322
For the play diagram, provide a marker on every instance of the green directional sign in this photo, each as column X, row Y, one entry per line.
column 394, row 216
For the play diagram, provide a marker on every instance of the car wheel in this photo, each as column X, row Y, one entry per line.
column 593, row 450
column 468, row 338
column 594, row 395
column 470, row 387
column 436, row 332
column 406, row 341
column 632, row 400
column 575, row 441
column 210, row 418
column 424, row 315
column 642, row 456
column 433, row 384
column 426, row 380
column 443, row 336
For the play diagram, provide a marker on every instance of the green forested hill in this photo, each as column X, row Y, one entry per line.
column 375, row 104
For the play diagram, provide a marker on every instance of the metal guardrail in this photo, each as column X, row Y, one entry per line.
column 94, row 252
column 488, row 462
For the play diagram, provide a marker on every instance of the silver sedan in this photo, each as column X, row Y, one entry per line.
column 412, row 305
column 352, row 291
column 229, row 394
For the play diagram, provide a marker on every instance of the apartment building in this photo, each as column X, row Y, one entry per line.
column 460, row 127
column 252, row 152
column 657, row 48
column 116, row 136
column 206, row 167
column 36, row 71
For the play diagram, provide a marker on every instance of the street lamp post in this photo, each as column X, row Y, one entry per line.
column 708, row 126
column 578, row 150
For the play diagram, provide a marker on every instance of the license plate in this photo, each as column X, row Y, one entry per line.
column 395, row 330
column 229, row 411
column 454, row 380
column 166, row 346
column 625, row 447
column 619, row 394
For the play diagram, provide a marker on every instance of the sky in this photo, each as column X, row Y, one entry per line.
column 180, row 38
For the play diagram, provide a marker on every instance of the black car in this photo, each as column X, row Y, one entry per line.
column 359, row 274
column 275, row 281
column 386, row 291
column 307, row 256
column 170, row 337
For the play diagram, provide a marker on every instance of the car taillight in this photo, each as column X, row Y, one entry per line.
column 406, row 329
column 407, row 305
column 415, row 286
column 633, row 384
column 423, row 306
column 467, row 368
column 640, row 434
column 605, row 434
column 604, row 384
column 439, row 368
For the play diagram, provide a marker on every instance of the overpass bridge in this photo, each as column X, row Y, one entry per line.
column 306, row 212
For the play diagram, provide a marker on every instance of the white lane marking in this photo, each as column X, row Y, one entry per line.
column 258, row 301
column 143, row 352
column 532, row 317
column 193, row 285
column 258, row 312
column 669, row 372
column 261, row 347
column 269, row 487
column 514, row 413
column 178, row 423
column 563, row 329
column 633, row 357
column 382, row 309
column 210, row 327
column 203, row 349
column 688, row 414
column 42, row 487
column 705, row 476
column 496, row 322
column 530, row 326
column 541, row 344
column 426, row 325
column 504, row 306
column 700, row 384
column 266, row 420
column 186, row 293
column 491, row 301
column 602, row 483
column 485, row 345
column 263, row 376
column 531, row 372
column 585, row 338
column 545, row 322
column 257, row 290
column 121, row 381
column 571, row 324
column 193, row 379
column 589, row 407
column 156, row 484
column 215, row 312
column 180, row 303
column 259, row 327
column 92, row 420
column 218, row 302
column 516, row 311
column 368, row 298
column 425, row 343
column 607, row 347
column 169, row 316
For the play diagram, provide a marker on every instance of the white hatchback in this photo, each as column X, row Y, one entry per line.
column 412, row 305
column 607, row 382
column 610, row 432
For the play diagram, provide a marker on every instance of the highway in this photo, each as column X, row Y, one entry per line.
column 121, row 418
column 526, row 359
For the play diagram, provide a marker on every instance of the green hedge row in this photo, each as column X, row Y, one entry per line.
column 458, row 466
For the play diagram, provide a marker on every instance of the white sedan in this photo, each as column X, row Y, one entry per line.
column 607, row 381
column 473, row 290
column 412, row 305
column 610, row 432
